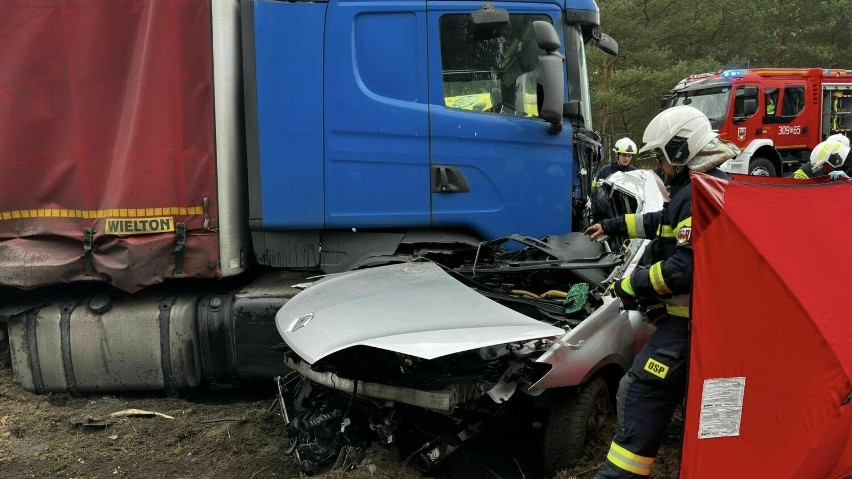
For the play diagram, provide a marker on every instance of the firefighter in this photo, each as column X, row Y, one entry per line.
column 625, row 149
column 681, row 140
column 845, row 141
column 826, row 159
column 840, row 137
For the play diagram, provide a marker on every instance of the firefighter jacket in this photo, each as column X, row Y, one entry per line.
column 608, row 170
column 806, row 172
column 665, row 271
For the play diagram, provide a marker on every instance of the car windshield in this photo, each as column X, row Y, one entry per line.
column 713, row 102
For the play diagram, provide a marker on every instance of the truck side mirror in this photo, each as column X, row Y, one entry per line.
column 750, row 92
column 546, row 36
column 550, row 89
column 487, row 22
column 664, row 102
column 607, row 44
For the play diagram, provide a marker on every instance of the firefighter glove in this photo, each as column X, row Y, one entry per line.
column 624, row 291
column 654, row 312
column 838, row 175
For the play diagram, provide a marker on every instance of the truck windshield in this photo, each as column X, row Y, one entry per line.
column 496, row 75
column 713, row 102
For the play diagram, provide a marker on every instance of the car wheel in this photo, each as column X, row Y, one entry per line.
column 759, row 166
column 579, row 420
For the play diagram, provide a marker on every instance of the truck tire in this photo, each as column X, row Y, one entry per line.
column 759, row 166
column 577, row 420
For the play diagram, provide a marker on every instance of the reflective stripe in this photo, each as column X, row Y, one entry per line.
column 628, row 461
column 678, row 305
column 686, row 223
column 627, row 286
column 630, row 222
column 665, row 231
column 679, row 299
column 800, row 175
column 677, row 310
column 105, row 213
column 640, row 226
column 657, row 280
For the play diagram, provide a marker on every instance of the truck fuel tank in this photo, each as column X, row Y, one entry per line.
column 98, row 343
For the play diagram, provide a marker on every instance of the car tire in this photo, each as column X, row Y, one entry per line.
column 759, row 166
column 578, row 418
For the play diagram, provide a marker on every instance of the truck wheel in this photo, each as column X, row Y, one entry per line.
column 577, row 421
column 759, row 166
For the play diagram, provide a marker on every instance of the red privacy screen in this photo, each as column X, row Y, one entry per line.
column 106, row 142
column 769, row 386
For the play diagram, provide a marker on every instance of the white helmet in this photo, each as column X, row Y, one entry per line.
column 829, row 151
column 677, row 134
column 839, row 137
column 625, row 146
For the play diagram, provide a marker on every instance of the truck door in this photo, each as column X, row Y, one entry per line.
column 768, row 109
column 376, row 118
column 746, row 122
column 494, row 167
column 791, row 129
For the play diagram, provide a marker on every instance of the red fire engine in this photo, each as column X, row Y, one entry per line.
column 775, row 115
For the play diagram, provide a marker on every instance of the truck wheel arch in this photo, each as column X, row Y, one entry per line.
column 759, row 154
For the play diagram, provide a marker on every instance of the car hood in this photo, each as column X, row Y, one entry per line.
column 415, row 309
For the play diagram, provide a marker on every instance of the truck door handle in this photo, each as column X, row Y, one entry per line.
column 448, row 179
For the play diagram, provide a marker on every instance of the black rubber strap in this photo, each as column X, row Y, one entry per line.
column 65, row 344
column 32, row 343
column 180, row 246
column 88, row 257
column 165, row 345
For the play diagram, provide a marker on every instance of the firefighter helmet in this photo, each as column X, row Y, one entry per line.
column 677, row 134
column 625, row 146
column 829, row 152
column 840, row 137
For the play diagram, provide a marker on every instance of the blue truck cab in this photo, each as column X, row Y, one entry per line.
column 375, row 128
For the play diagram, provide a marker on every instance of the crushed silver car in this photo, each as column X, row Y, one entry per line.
column 421, row 355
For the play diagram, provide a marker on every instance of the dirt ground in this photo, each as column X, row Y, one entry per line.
column 213, row 435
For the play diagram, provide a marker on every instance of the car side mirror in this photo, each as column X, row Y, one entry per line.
column 550, row 90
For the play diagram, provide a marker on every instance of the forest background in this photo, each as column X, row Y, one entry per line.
column 663, row 41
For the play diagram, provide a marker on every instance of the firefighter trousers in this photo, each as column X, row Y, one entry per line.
column 647, row 397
